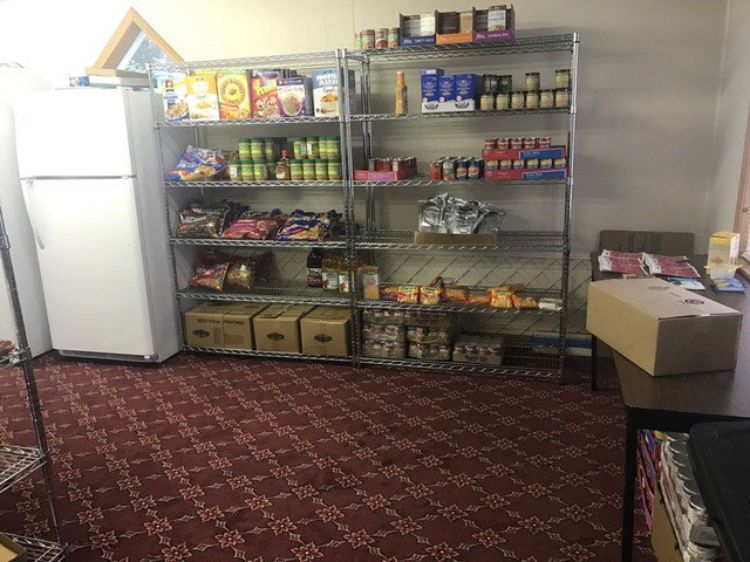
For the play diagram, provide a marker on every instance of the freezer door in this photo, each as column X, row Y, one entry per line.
column 73, row 133
column 91, row 260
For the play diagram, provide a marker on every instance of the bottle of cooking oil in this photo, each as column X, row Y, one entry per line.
column 402, row 101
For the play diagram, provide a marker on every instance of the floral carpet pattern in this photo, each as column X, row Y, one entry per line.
column 221, row 459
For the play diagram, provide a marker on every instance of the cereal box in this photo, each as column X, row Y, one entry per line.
column 234, row 94
column 203, row 102
column 325, row 84
column 173, row 88
column 295, row 96
column 264, row 93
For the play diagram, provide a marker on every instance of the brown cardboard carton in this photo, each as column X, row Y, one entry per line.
column 204, row 324
column 238, row 325
column 325, row 331
column 662, row 536
column 277, row 327
column 662, row 328
column 10, row 551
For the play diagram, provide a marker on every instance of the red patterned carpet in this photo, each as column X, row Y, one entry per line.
column 217, row 459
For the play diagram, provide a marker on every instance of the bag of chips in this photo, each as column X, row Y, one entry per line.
column 211, row 270
column 255, row 225
column 203, row 221
column 308, row 226
column 198, row 164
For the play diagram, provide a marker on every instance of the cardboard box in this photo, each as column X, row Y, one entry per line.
column 662, row 328
column 203, row 102
column 446, row 88
column 468, row 87
column 277, row 327
column 443, row 238
column 367, row 175
column 10, row 551
column 264, row 92
column 325, row 332
column 418, row 29
column 663, row 538
column 234, row 94
column 552, row 152
column 204, row 324
column 495, row 24
column 455, row 27
column 295, row 96
column 173, row 88
column 524, row 174
column 238, row 325
column 325, row 85
column 723, row 248
column 430, row 90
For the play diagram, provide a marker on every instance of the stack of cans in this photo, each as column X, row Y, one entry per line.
column 392, row 164
column 452, row 168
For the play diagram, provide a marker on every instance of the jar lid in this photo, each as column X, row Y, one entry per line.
column 260, row 160
column 562, row 70
column 532, row 74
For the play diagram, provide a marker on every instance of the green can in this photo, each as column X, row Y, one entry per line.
column 308, row 170
column 313, row 148
column 260, row 169
column 257, row 149
column 299, row 148
column 246, row 170
column 334, row 170
column 245, row 149
column 271, row 150
column 321, row 169
column 295, row 170
column 235, row 170
column 323, row 147
column 334, row 148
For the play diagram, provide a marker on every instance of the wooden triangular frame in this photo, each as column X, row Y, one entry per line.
column 119, row 44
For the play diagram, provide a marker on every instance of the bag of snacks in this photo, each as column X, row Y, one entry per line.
column 448, row 214
column 389, row 293
column 430, row 296
column 211, row 270
column 308, row 226
column 479, row 297
column 501, row 299
column 241, row 275
column 255, row 225
column 203, row 221
column 454, row 293
column 408, row 294
column 198, row 164
column 524, row 302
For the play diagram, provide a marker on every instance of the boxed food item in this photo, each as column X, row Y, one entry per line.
column 203, row 102
column 419, row 334
column 238, row 325
column 418, row 29
column 466, row 91
column 295, row 96
column 370, row 282
column 430, row 91
column 325, row 85
column 662, row 328
column 383, row 316
column 11, row 551
column 455, row 27
column 204, row 325
column 553, row 152
column 173, row 88
column 446, row 89
column 325, row 332
column 234, row 94
column 372, row 332
column 723, row 248
column 277, row 327
column 663, row 539
column 264, row 92
column 430, row 351
column 384, row 350
column 524, row 174
column 479, row 348
column 497, row 23
column 428, row 319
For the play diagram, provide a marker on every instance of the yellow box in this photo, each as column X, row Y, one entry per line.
column 723, row 248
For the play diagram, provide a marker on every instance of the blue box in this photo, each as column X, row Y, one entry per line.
column 446, row 88
column 424, row 40
column 467, row 86
column 430, row 92
column 431, row 71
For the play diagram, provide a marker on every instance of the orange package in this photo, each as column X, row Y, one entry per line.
column 408, row 294
column 430, row 296
column 480, row 297
column 524, row 302
column 389, row 292
column 501, row 299
column 456, row 294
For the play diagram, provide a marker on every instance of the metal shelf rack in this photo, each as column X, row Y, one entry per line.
column 17, row 463
column 369, row 239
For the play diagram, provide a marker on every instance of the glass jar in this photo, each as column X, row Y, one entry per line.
column 547, row 99
column 505, row 83
column 308, row 170
column 532, row 100
column 532, row 163
column 260, row 169
column 334, row 149
column 313, row 148
column 487, row 102
column 334, row 170
column 235, row 170
column 518, row 164
column 299, row 148
column 245, row 149
column 295, row 170
column 257, row 149
column 321, row 169
column 502, row 101
column 562, row 97
column 270, row 150
column 246, row 170
column 532, row 81
column 517, row 100
column 562, row 78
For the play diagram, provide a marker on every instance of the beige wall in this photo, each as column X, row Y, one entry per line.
column 648, row 89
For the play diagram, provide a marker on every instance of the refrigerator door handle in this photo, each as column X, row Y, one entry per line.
column 26, row 191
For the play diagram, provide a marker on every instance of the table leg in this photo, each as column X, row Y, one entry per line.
column 594, row 363
column 628, row 496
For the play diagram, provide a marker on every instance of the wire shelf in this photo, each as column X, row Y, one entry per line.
column 423, row 181
column 11, row 358
column 252, row 184
column 259, row 243
column 268, row 354
column 462, row 307
column 255, row 121
column 290, row 295
column 270, row 61
column 454, row 115
column 508, row 241
column 38, row 550
column 521, row 45
column 518, row 361
column 16, row 463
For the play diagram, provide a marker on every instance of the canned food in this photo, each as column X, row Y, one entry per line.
column 393, row 37
column 334, row 149
column 532, row 100
column 560, row 163
column 321, row 170
column 260, row 169
column 449, row 171
column 308, row 170
column 299, row 148
column 381, row 38
column 502, row 101
column 235, row 170
column 436, row 169
column 368, row 38
column 545, row 163
column 313, row 148
column 474, row 170
column 490, row 144
column 491, row 164
column 400, row 164
column 383, row 164
column 295, row 170
column 544, row 142
column 257, row 149
column 532, row 163
column 245, row 149
column 270, row 149
column 487, row 102
column 505, row 83
column 518, row 164
column 462, row 169
column 516, row 143
column 532, row 81
column 547, row 99
column 517, row 100
column 562, row 78
column 528, row 143
column 246, row 170
column 372, row 164
column 506, row 164
column 562, row 97
column 503, row 143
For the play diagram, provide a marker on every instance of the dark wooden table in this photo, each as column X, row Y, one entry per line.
column 677, row 402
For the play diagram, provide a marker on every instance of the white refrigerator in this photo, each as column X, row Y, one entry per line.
column 90, row 176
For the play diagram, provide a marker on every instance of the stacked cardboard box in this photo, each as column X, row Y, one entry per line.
column 429, row 335
column 383, row 334
column 222, row 325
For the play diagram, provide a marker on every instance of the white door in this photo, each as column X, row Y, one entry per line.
column 73, row 133
column 91, row 260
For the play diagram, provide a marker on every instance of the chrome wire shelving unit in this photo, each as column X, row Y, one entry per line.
column 17, row 463
column 366, row 239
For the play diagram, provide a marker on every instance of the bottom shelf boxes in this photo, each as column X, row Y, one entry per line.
column 37, row 550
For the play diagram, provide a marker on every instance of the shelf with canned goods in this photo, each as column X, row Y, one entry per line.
column 425, row 181
column 304, row 244
column 280, row 295
column 456, row 114
column 333, row 184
